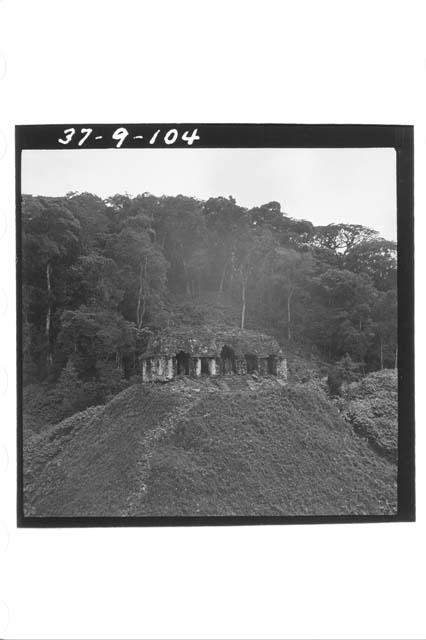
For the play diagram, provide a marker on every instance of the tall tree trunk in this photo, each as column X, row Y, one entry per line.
column 381, row 353
column 290, row 293
column 49, row 313
column 141, row 306
column 396, row 356
column 187, row 284
column 222, row 280
column 138, row 306
column 243, row 300
column 231, row 275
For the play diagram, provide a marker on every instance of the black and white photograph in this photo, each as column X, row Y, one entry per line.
column 212, row 218
column 208, row 332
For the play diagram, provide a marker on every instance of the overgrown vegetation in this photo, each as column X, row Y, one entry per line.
column 207, row 448
column 371, row 406
column 99, row 276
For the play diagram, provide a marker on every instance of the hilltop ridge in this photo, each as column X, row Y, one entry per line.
column 238, row 446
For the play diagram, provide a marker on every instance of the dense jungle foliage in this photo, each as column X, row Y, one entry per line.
column 99, row 276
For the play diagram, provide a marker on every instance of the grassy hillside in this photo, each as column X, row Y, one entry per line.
column 207, row 448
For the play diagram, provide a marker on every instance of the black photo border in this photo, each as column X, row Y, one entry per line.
column 399, row 137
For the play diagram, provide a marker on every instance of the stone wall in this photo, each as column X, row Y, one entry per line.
column 282, row 368
column 163, row 368
column 241, row 366
column 160, row 368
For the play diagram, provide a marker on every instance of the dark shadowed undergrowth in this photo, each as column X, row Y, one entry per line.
column 202, row 448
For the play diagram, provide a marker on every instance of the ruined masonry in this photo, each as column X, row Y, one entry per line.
column 212, row 352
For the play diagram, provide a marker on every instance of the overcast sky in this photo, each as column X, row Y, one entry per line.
column 356, row 186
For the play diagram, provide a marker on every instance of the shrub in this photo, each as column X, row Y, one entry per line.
column 69, row 390
column 40, row 406
column 342, row 374
column 335, row 381
column 372, row 408
column 109, row 381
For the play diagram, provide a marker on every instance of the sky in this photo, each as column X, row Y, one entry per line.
column 355, row 186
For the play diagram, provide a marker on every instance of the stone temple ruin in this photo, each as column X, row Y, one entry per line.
column 206, row 351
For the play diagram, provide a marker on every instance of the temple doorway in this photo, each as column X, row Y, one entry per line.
column 272, row 365
column 228, row 360
column 252, row 363
column 182, row 363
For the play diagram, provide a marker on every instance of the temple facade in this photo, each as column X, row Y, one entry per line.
column 207, row 352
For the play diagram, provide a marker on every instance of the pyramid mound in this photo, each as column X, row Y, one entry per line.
column 235, row 446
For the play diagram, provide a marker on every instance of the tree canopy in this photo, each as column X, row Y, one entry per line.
column 100, row 276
